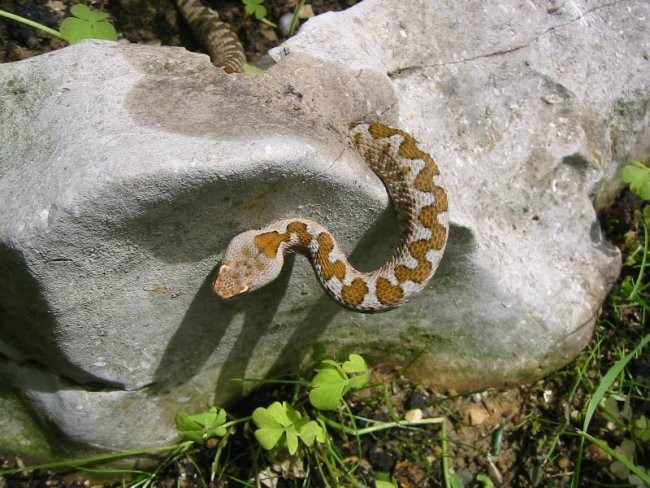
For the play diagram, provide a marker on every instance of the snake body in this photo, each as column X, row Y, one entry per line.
column 216, row 36
column 255, row 258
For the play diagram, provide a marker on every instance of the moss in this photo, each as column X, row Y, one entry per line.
column 20, row 435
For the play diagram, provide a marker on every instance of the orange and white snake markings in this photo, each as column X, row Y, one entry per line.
column 255, row 258
column 216, row 36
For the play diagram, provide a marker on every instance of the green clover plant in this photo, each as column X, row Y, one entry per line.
column 255, row 8
column 201, row 426
column 334, row 380
column 637, row 175
column 281, row 425
column 83, row 24
column 87, row 24
column 300, row 429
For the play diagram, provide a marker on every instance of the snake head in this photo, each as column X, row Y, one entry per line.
column 230, row 282
column 245, row 267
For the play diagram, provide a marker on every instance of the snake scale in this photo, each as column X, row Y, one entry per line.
column 255, row 258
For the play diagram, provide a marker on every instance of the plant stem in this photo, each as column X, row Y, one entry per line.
column 294, row 19
column 643, row 476
column 99, row 458
column 445, row 454
column 31, row 23
column 381, row 425
column 266, row 21
column 639, row 281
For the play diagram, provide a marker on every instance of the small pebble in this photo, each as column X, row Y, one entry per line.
column 285, row 23
column 477, row 415
column 597, row 455
column 414, row 414
column 306, row 12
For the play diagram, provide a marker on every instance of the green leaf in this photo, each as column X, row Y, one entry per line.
column 187, row 428
column 608, row 379
column 384, row 484
column 637, row 175
column 83, row 12
column 281, row 421
column 311, row 431
column 630, row 466
column 199, row 427
column 383, row 479
column 268, row 437
column 455, row 481
column 281, row 413
column 87, row 24
column 256, row 8
column 260, row 12
column 357, row 367
column 272, row 416
column 273, row 423
column 641, row 429
column 292, row 441
column 270, row 429
column 328, row 387
column 335, row 380
column 355, row 364
column 485, row 480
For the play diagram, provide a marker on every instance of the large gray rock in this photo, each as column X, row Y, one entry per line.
column 127, row 169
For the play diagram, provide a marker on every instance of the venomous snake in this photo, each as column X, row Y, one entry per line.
column 410, row 175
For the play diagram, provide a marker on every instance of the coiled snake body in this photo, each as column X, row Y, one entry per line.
column 255, row 258
column 216, row 36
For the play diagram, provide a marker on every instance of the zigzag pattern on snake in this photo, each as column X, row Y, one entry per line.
column 255, row 258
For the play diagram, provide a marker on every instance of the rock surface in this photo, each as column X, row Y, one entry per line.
column 127, row 169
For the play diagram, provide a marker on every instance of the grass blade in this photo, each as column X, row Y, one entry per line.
column 608, row 379
column 643, row 476
column 604, row 385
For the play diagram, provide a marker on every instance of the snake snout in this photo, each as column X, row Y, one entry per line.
column 228, row 283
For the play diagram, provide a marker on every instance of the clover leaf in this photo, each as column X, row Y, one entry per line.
column 87, row 24
column 280, row 424
column 334, row 380
column 199, row 427
column 641, row 429
column 637, row 175
column 357, row 367
column 256, row 8
column 328, row 388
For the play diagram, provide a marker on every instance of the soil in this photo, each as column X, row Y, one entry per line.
column 147, row 22
column 507, row 435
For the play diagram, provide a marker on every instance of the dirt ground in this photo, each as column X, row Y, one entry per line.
column 511, row 436
column 147, row 22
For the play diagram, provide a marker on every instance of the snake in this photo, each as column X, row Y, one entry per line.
column 255, row 258
column 216, row 36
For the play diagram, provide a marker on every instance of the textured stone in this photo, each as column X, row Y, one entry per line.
column 127, row 169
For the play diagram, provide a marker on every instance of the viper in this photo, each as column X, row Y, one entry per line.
column 255, row 258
